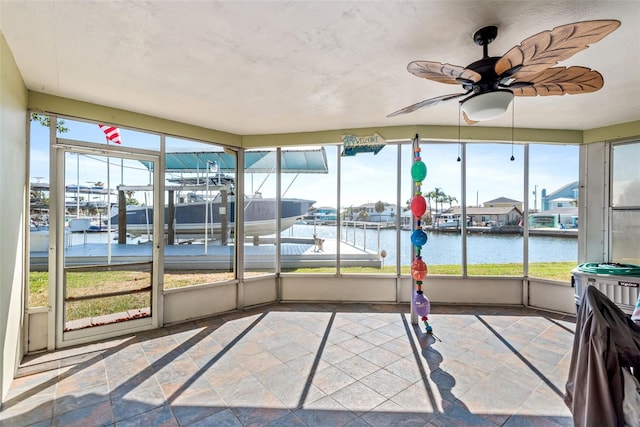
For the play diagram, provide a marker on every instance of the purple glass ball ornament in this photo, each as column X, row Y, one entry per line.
column 421, row 305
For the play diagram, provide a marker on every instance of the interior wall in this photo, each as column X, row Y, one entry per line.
column 194, row 302
column 13, row 193
column 551, row 295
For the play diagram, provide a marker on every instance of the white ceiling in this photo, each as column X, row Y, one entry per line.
column 290, row 66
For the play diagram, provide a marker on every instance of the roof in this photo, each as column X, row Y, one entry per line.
column 561, row 189
column 500, row 210
column 503, row 200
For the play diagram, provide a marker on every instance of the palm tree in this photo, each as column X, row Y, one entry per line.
column 348, row 213
column 363, row 215
column 438, row 196
column 379, row 207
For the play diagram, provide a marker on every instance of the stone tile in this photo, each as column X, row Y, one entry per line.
column 357, row 367
column 248, row 392
column 525, row 420
column 421, row 397
column 325, row 412
column 304, row 364
column 289, row 386
column 458, row 415
column 406, row 368
column 258, row 362
column 79, row 399
column 400, row 346
column 225, row 371
column 394, row 330
column 193, row 406
column 224, row 418
column 288, row 352
column 495, row 398
column 355, row 329
column 331, row 379
column 356, row 345
column 385, row 383
column 390, row 413
column 258, row 416
column 496, row 365
column 97, row 415
column 358, row 398
column 455, row 378
column 289, row 420
column 379, row 356
column 481, row 362
column 137, row 400
column 375, row 337
column 333, row 354
column 160, row 417
column 336, row 336
column 33, row 409
column 545, row 402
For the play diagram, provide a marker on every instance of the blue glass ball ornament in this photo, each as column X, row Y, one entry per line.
column 419, row 237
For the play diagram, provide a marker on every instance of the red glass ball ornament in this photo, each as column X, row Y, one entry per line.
column 418, row 269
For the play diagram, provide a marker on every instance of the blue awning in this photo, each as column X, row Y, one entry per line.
column 299, row 160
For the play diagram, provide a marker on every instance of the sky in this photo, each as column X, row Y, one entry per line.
column 366, row 178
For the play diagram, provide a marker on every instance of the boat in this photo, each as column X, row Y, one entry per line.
column 446, row 221
column 190, row 217
column 321, row 216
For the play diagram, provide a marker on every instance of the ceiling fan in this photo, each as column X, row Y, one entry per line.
column 525, row 70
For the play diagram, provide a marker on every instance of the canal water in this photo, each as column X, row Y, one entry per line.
column 441, row 248
column 446, row 248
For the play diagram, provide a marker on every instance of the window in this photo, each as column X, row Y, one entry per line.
column 494, row 185
column 553, row 225
column 625, row 203
column 200, row 206
column 309, row 209
column 441, row 188
column 259, row 210
column 368, row 194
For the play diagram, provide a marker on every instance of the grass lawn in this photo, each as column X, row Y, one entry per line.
column 83, row 283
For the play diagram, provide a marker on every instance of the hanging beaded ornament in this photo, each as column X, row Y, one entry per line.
column 421, row 304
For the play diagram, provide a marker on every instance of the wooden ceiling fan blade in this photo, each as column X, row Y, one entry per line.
column 427, row 103
column 443, row 73
column 561, row 81
column 546, row 49
column 468, row 120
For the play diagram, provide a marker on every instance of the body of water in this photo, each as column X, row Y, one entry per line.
column 441, row 248
column 446, row 248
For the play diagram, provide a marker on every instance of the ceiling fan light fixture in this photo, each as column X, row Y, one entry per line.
column 487, row 106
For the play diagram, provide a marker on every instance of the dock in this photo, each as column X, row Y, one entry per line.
column 217, row 257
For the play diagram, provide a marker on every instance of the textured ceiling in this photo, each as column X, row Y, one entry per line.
column 275, row 66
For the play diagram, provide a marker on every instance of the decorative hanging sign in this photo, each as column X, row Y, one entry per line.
column 421, row 304
column 352, row 145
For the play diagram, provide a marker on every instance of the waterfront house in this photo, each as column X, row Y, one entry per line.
column 503, row 202
column 372, row 212
column 564, row 197
column 491, row 216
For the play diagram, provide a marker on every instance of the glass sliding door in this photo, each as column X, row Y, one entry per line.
column 106, row 283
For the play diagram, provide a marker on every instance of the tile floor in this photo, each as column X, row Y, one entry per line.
column 310, row 365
